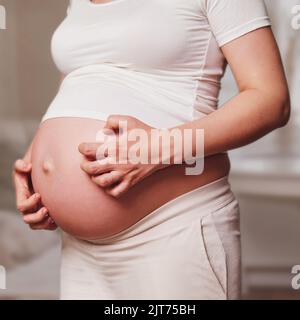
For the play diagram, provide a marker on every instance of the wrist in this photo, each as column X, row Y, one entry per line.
column 162, row 151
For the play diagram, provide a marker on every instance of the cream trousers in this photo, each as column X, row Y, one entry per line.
column 187, row 249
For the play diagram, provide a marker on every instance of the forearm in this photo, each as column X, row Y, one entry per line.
column 244, row 119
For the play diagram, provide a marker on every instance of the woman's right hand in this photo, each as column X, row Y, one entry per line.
column 28, row 202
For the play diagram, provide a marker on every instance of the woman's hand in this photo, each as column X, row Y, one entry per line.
column 29, row 203
column 116, row 163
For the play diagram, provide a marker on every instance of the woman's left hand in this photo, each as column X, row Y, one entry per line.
column 110, row 161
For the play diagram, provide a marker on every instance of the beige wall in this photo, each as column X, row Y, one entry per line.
column 8, row 58
column 29, row 78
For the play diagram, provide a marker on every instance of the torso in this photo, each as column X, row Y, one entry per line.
column 117, row 61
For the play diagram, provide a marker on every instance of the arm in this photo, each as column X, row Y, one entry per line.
column 263, row 103
column 261, row 106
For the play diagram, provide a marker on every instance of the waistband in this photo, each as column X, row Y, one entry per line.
column 178, row 212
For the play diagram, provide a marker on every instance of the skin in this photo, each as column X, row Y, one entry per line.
column 29, row 203
column 262, row 105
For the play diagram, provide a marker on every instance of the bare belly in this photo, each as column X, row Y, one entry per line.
column 83, row 209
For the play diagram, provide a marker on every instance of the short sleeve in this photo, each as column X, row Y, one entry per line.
column 230, row 19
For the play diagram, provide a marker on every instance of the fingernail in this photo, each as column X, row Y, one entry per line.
column 26, row 166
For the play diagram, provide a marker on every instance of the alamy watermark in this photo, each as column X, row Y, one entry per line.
column 157, row 146
column 296, row 17
column 2, row 278
column 2, row 17
column 296, row 278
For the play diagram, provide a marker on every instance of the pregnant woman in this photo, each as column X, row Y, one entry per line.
column 149, row 230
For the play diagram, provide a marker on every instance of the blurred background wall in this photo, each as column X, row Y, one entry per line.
column 265, row 175
column 28, row 82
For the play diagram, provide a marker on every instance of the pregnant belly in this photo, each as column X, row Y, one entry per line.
column 83, row 209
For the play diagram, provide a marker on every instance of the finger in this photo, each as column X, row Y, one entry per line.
column 108, row 179
column 22, row 167
column 47, row 224
column 29, row 204
column 37, row 217
column 113, row 122
column 96, row 167
column 89, row 149
column 104, row 134
column 21, row 187
column 119, row 190
column 118, row 123
column 52, row 226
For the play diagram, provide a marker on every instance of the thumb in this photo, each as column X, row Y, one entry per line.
column 22, row 166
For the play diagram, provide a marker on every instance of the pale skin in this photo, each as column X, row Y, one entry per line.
column 262, row 105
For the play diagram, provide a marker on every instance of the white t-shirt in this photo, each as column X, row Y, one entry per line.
column 157, row 60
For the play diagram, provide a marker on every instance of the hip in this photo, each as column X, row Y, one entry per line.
column 188, row 248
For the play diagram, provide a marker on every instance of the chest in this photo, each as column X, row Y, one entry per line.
column 150, row 33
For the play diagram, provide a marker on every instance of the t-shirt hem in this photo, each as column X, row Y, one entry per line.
column 241, row 30
column 99, row 116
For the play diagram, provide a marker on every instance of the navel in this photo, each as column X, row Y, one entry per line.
column 48, row 166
